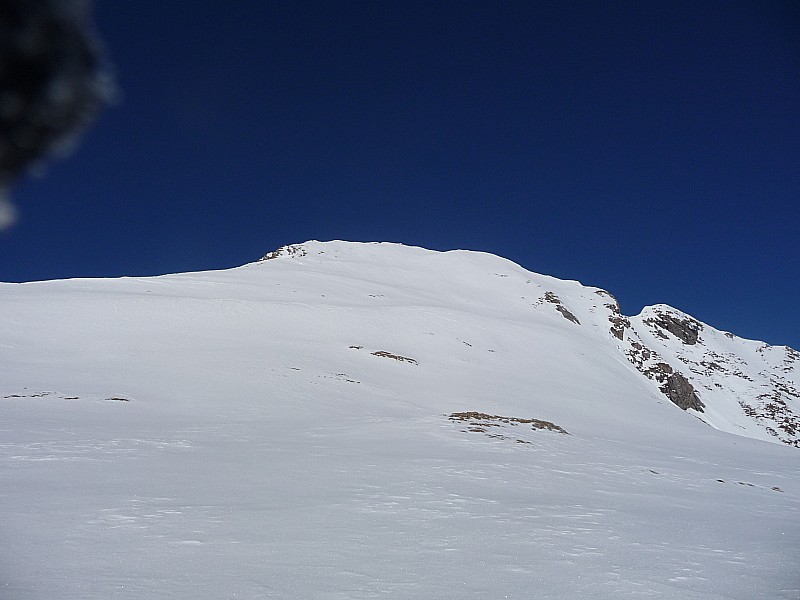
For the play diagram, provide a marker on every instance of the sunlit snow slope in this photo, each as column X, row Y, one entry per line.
column 348, row 421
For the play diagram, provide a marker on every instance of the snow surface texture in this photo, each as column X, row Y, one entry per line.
column 352, row 421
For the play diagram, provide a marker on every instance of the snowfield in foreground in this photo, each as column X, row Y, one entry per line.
column 353, row 421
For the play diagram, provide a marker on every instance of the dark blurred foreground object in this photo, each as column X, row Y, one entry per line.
column 53, row 80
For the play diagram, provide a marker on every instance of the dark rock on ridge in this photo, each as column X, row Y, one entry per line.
column 681, row 392
column 686, row 330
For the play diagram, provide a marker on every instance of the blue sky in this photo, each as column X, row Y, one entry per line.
column 652, row 149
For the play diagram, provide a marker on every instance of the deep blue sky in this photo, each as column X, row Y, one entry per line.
column 651, row 148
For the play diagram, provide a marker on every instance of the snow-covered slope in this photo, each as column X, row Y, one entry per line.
column 740, row 386
column 374, row 420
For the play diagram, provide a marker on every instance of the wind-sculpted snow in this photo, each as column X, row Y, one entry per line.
column 356, row 421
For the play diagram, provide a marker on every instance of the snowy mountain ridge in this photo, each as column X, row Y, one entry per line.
column 739, row 386
column 347, row 421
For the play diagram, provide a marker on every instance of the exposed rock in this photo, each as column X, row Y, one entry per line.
column 681, row 392
column 567, row 315
column 553, row 299
column 397, row 357
column 638, row 354
column 618, row 326
column 664, row 368
column 686, row 330
column 619, row 323
column 478, row 421
column 792, row 356
column 773, row 409
column 674, row 385
column 660, row 372
column 290, row 250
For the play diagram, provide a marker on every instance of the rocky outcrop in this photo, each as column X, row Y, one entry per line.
column 698, row 367
column 565, row 312
column 619, row 323
column 292, row 250
column 773, row 411
column 686, row 330
column 678, row 389
column 673, row 384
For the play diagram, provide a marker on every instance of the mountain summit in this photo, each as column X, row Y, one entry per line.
column 351, row 421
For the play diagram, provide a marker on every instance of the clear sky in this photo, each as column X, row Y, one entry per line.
column 650, row 148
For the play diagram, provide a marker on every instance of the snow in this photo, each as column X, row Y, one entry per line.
column 259, row 448
column 734, row 376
